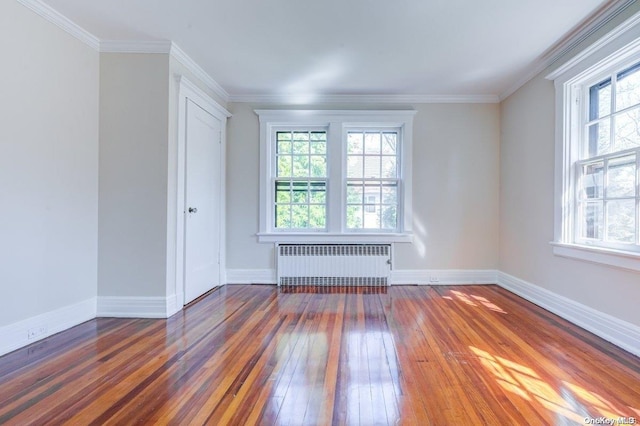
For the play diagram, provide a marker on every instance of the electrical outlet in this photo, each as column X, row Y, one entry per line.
column 434, row 279
column 36, row 332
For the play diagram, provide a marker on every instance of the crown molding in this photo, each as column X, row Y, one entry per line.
column 291, row 99
column 571, row 40
column 135, row 46
column 56, row 18
column 181, row 56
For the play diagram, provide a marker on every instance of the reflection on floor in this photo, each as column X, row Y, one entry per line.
column 418, row 355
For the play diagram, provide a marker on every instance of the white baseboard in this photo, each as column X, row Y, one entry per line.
column 443, row 276
column 17, row 335
column 251, row 276
column 614, row 330
column 136, row 307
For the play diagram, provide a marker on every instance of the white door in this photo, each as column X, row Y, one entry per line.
column 202, row 202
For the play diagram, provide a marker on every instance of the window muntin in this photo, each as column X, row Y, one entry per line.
column 300, row 184
column 373, row 179
column 607, row 191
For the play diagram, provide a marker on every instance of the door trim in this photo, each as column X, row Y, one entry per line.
column 187, row 91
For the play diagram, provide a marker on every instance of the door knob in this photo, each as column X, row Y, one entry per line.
column 193, row 210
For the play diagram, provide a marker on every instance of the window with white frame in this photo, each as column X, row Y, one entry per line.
column 607, row 193
column 598, row 187
column 300, row 179
column 335, row 175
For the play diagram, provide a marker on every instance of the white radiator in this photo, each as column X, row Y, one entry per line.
column 334, row 264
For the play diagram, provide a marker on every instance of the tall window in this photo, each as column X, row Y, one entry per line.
column 607, row 193
column 301, row 179
column 597, row 209
column 372, row 179
column 335, row 176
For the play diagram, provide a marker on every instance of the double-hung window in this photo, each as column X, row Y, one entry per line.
column 335, row 176
column 598, row 168
column 607, row 193
column 300, row 179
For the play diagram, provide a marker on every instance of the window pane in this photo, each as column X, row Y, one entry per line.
column 372, row 220
column 622, row 177
column 621, row 221
column 300, row 216
column 301, row 136
column 372, row 143
column 599, row 138
column 318, row 166
column 284, row 147
column 372, row 167
column 283, row 192
column 283, row 216
column 354, row 217
column 355, row 143
column 318, row 136
column 592, row 180
column 300, row 166
column 390, row 193
column 389, row 220
column 354, row 166
column 627, row 130
column 318, row 193
column 592, row 220
column 317, row 217
column 284, row 166
column 318, row 148
column 300, row 192
column 389, row 143
column 628, row 89
column 354, row 192
column 283, row 136
column 389, row 167
column 600, row 100
column 300, row 147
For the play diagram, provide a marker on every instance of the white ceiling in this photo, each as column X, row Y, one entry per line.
column 346, row 47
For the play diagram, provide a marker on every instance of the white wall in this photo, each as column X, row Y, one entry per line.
column 48, row 166
column 527, row 202
column 134, row 99
column 455, row 181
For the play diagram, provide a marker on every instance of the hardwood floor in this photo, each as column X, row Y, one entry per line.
column 472, row 355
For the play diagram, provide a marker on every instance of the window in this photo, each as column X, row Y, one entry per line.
column 372, row 179
column 598, row 147
column 335, row 176
column 607, row 166
column 300, row 182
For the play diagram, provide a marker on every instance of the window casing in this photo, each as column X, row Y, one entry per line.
column 597, row 196
column 335, row 176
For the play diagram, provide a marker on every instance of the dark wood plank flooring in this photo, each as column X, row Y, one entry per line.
column 467, row 355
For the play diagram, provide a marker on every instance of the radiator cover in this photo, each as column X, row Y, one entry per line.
column 334, row 264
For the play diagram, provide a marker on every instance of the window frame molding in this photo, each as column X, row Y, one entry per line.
column 337, row 123
column 620, row 45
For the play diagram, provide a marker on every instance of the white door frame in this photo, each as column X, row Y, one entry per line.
column 189, row 91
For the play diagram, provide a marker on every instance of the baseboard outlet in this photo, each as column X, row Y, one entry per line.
column 22, row 333
column 443, row 276
column 251, row 276
column 136, row 307
column 614, row 330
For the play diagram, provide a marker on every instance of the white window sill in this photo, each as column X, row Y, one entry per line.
column 311, row 238
column 617, row 258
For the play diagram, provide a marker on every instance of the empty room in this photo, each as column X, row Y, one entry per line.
column 355, row 212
